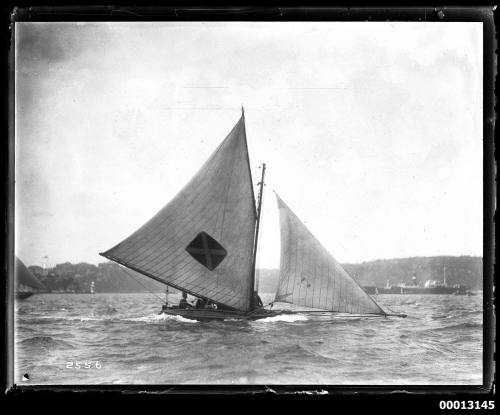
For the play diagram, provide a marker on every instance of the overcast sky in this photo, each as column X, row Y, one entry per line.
column 372, row 132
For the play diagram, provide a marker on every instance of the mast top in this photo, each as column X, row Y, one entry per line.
column 242, row 111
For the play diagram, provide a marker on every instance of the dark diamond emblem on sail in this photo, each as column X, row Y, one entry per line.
column 206, row 250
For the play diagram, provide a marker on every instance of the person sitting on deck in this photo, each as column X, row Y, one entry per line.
column 200, row 303
column 183, row 302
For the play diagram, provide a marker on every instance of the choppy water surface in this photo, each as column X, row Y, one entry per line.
column 439, row 343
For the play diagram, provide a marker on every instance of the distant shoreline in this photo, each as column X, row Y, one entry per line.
column 160, row 293
column 109, row 277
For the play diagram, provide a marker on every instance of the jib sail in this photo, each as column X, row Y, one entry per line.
column 311, row 277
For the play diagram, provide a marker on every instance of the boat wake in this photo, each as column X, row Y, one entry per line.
column 288, row 318
column 158, row 318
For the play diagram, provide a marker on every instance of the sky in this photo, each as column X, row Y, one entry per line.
column 371, row 131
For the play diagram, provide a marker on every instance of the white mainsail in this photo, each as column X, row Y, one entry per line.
column 202, row 241
column 311, row 277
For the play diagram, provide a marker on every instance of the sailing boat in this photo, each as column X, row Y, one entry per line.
column 26, row 283
column 204, row 243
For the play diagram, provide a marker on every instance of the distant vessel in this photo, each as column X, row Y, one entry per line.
column 91, row 289
column 430, row 287
column 204, row 242
column 25, row 282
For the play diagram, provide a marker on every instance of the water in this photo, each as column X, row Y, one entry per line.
column 440, row 342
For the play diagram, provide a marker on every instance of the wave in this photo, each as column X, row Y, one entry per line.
column 155, row 318
column 46, row 342
column 458, row 327
column 90, row 318
column 73, row 318
column 106, row 310
column 288, row 318
column 408, row 302
column 147, row 319
column 298, row 352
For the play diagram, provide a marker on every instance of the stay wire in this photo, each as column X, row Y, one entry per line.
column 141, row 284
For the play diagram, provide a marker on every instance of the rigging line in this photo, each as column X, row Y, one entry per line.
column 143, row 286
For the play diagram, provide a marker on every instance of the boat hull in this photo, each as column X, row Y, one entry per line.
column 211, row 315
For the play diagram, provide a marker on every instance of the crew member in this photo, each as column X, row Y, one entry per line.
column 183, row 303
column 257, row 301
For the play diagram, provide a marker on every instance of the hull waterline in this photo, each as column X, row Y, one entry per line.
column 210, row 315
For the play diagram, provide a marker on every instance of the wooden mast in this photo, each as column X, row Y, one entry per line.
column 259, row 206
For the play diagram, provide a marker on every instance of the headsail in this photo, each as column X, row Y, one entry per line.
column 311, row 277
column 202, row 241
column 23, row 276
